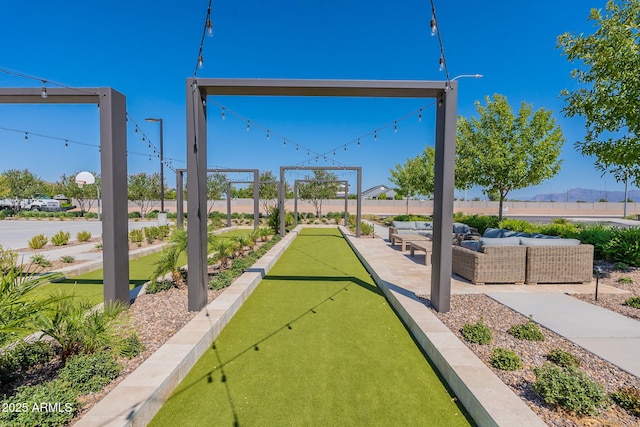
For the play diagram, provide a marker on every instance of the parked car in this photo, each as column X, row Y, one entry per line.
column 49, row 205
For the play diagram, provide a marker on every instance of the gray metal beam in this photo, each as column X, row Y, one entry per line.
column 179, row 199
column 54, row 96
column 341, row 88
column 443, row 199
column 197, row 198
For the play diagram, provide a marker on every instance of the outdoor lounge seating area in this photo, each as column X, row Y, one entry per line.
column 503, row 256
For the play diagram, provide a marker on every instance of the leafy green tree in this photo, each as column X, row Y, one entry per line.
column 19, row 184
column 216, row 187
column 268, row 191
column 144, row 190
column 84, row 196
column 317, row 192
column 415, row 176
column 502, row 152
column 608, row 96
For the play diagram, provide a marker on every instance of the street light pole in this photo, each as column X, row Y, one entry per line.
column 151, row 119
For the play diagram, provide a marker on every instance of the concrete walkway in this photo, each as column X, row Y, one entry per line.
column 612, row 336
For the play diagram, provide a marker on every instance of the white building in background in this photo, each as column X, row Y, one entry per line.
column 375, row 192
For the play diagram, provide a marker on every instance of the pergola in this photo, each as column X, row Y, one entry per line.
column 256, row 195
column 113, row 173
column 295, row 196
column 445, row 92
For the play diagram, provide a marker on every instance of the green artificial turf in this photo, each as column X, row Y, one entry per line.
column 316, row 344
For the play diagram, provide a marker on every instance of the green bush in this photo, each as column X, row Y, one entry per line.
column 633, row 302
column 480, row 222
column 83, row 236
column 625, row 280
column 624, row 246
column 61, row 238
column 506, row 360
column 60, row 405
column 563, row 358
column 628, row 398
column 221, row 280
column 89, row 373
column 517, row 225
column 476, row 333
column 562, row 229
column 130, row 346
column 40, row 260
column 38, row 241
column 621, row 266
column 151, row 233
column 597, row 235
column 8, row 259
column 22, row 357
column 67, row 259
column 570, row 389
column 134, row 215
column 527, row 331
column 136, row 236
column 155, row 286
column 366, row 229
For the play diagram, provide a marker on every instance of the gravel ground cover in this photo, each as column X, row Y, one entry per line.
column 471, row 308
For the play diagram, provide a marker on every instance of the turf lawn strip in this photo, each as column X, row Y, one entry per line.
column 315, row 344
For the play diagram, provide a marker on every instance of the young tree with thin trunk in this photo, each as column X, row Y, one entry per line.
column 415, row 177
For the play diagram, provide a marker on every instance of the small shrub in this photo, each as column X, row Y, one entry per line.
column 83, row 236
column 40, row 260
column 505, row 360
column 624, row 246
column 563, row 358
column 8, row 259
column 628, row 398
column 625, row 280
column 527, row 331
column 38, row 241
column 476, row 333
column 517, row 225
column 158, row 286
column 61, row 401
column 22, row 357
column 67, row 259
column 99, row 246
column 221, row 280
column 366, row 229
column 89, row 373
column 569, row 388
column 633, row 302
column 621, row 266
column 61, row 238
column 151, row 233
column 131, row 346
column 136, row 236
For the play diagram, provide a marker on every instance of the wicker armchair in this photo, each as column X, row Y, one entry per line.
column 559, row 264
column 495, row 264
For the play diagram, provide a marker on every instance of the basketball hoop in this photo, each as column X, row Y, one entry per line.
column 80, row 183
column 84, row 178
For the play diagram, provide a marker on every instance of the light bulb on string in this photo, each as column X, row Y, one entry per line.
column 297, row 147
column 434, row 26
column 248, row 125
column 223, row 114
column 26, row 136
column 66, row 143
column 358, row 142
column 284, row 142
column 136, row 129
column 268, row 134
column 395, row 127
column 375, row 135
column 44, row 90
column 441, row 63
column 334, row 152
column 345, row 147
column 420, row 115
column 200, row 61
column 209, row 27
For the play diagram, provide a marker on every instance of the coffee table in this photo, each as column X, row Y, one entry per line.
column 404, row 239
column 421, row 246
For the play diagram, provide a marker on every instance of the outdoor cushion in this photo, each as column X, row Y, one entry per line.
column 493, row 233
column 527, row 241
column 499, row 241
column 522, row 234
column 474, row 245
column 404, row 225
column 461, row 228
column 423, row 225
column 544, row 236
column 509, row 233
column 537, row 235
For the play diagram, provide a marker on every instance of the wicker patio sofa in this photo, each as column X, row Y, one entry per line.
column 559, row 264
column 494, row 264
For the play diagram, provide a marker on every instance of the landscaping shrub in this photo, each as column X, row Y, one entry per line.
column 67, row 259
column 527, row 331
column 8, row 259
column 151, row 233
column 366, row 229
column 570, row 389
column 624, row 246
column 480, row 222
column 597, row 235
column 625, row 280
column 134, row 215
column 155, row 286
column 40, row 260
column 221, row 280
column 38, row 241
column 61, row 405
column 476, row 333
column 89, row 373
column 563, row 358
column 505, row 360
column 130, row 346
column 562, row 229
column 633, row 302
column 621, row 266
column 517, row 225
column 136, row 236
column 61, row 238
column 628, row 398
column 23, row 356
column 83, row 236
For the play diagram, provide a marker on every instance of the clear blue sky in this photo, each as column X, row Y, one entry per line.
column 147, row 49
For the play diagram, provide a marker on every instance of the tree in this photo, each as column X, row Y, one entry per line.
column 84, row 196
column 608, row 96
column 416, row 175
column 19, row 184
column 216, row 186
column 268, row 191
column 502, row 152
column 144, row 191
column 317, row 192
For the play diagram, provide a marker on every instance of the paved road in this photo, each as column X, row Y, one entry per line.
column 14, row 234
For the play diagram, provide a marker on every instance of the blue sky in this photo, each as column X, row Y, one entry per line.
column 147, row 49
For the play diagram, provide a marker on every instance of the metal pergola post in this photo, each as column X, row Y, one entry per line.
column 281, row 194
column 445, row 92
column 295, row 196
column 256, row 200
column 113, row 173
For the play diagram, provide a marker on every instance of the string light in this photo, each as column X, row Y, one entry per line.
column 358, row 142
column 441, row 67
column 66, row 143
column 268, row 134
column 395, row 127
column 200, row 61
column 434, row 26
column 420, row 115
column 209, row 26
column 44, row 90
column 375, row 135
column 224, row 116
column 26, row 136
column 284, row 142
column 248, row 125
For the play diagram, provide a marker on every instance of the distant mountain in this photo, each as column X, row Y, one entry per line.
column 587, row 195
